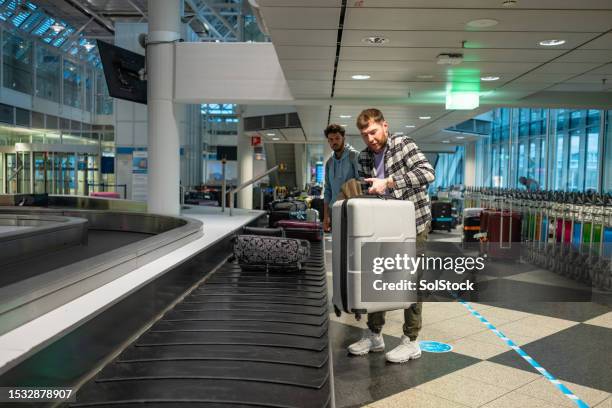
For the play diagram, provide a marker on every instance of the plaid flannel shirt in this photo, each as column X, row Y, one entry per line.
column 411, row 173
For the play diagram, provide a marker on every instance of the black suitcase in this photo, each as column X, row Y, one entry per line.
column 276, row 216
column 317, row 204
column 255, row 252
column 288, row 205
column 269, row 232
column 441, row 216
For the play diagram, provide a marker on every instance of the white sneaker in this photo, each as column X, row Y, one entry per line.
column 370, row 342
column 407, row 350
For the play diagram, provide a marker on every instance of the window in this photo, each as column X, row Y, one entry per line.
column 542, row 168
column 17, row 67
column 532, row 164
column 591, row 174
column 559, row 182
column 573, row 174
column 47, row 74
column 72, row 84
column 521, row 168
column 104, row 103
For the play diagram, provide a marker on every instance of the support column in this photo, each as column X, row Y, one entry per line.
column 163, row 151
column 245, row 168
column 301, row 178
column 469, row 173
column 327, row 151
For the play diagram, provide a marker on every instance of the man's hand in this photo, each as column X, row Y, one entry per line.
column 327, row 225
column 379, row 186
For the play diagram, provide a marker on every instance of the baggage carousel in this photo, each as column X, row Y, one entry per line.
column 160, row 317
column 240, row 338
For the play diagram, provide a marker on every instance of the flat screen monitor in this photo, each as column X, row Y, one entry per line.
column 123, row 70
column 227, row 152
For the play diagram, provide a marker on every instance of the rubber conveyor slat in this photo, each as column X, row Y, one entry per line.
column 240, row 339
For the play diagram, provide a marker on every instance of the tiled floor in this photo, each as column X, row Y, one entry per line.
column 572, row 340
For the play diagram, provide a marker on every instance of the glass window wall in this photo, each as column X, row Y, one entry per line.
column 17, row 65
column 72, row 84
column 573, row 159
column 48, row 74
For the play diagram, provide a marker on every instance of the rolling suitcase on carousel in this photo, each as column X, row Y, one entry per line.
column 356, row 221
column 257, row 252
column 308, row 230
column 441, row 216
column 318, row 204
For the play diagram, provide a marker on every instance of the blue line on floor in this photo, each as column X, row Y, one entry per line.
column 526, row 357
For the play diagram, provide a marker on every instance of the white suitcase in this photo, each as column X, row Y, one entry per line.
column 357, row 221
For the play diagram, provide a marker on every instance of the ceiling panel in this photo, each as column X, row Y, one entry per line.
column 305, row 52
column 566, row 68
column 582, row 87
column 605, row 69
column 389, row 52
column 481, row 4
column 304, row 37
column 602, row 43
column 309, row 75
column 592, row 78
column 578, row 20
column 293, row 135
column 307, row 65
column 476, row 40
column 584, row 55
column 417, row 67
column 298, row 3
column 302, row 18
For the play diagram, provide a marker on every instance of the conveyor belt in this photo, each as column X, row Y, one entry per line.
column 241, row 339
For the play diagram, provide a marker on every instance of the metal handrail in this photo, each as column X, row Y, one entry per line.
column 248, row 183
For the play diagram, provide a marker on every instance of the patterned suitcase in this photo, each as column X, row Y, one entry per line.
column 265, row 253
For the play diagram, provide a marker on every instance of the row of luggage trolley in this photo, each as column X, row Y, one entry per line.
column 569, row 233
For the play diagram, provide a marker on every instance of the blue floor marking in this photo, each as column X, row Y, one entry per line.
column 526, row 357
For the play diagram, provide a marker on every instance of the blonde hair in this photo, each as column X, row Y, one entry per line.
column 367, row 115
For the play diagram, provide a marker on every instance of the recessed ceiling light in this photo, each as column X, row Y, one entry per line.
column 345, row 116
column 482, row 23
column 57, row 27
column 552, row 43
column 276, row 138
column 343, row 125
column 410, row 126
column 375, row 40
column 446, row 141
column 460, row 137
column 270, row 134
column 360, row 76
column 425, row 76
column 424, row 117
column 489, row 78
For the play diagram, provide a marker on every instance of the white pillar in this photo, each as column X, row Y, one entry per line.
column 327, row 151
column 245, row 169
column 469, row 174
column 163, row 151
column 300, row 165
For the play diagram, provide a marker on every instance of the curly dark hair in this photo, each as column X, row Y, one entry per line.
column 334, row 128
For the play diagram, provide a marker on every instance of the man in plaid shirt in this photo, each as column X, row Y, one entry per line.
column 394, row 166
